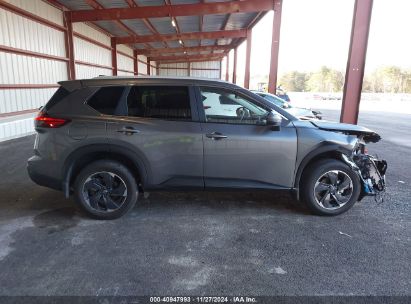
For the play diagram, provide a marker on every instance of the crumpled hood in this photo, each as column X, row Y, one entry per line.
column 368, row 135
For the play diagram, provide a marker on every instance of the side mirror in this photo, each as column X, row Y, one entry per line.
column 273, row 120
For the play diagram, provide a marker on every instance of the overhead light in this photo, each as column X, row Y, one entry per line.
column 173, row 23
column 185, row 52
column 180, row 41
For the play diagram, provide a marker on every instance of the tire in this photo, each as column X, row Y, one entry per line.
column 106, row 190
column 330, row 187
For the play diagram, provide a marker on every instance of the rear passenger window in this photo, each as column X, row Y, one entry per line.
column 164, row 102
column 106, row 100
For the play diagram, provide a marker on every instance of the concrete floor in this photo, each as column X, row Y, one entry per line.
column 207, row 243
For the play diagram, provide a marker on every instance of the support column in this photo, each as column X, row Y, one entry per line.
column 221, row 66
column 354, row 73
column 135, row 62
column 275, row 46
column 227, row 67
column 189, row 69
column 148, row 67
column 247, row 60
column 69, row 44
column 114, row 55
column 157, row 68
column 235, row 66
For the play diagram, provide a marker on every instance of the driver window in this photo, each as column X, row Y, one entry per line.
column 224, row 106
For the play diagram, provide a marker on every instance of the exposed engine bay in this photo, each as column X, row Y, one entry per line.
column 369, row 168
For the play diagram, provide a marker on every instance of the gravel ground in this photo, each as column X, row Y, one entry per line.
column 218, row 243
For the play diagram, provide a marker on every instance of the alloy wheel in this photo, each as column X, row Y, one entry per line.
column 333, row 189
column 105, row 191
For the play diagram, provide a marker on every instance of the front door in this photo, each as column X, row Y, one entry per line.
column 239, row 150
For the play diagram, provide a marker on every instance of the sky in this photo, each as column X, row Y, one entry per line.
column 317, row 32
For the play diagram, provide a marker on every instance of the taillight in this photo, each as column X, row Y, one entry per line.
column 45, row 121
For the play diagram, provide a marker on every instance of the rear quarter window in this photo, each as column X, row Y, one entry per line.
column 58, row 96
column 106, row 100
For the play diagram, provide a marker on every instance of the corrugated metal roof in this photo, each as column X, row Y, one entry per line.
column 163, row 25
column 112, row 3
column 149, row 2
column 137, row 26
column 186, row 24
column 75, row 4
column 213, row 22
column 239, row 20
column 112, row 28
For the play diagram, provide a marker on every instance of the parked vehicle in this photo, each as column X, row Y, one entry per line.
column 107, row 139
column 301, row 113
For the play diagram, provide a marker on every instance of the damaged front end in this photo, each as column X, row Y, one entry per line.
column 369, row 168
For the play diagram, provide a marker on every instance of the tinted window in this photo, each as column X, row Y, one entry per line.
column 224, row 106
column 165, row 102
column 106, row 100
column 59, row 95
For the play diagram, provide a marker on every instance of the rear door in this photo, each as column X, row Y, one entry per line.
column 160, row 125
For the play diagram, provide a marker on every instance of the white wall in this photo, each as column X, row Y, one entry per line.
column 206, row 69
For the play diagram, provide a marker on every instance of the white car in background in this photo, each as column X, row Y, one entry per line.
column 301, row 113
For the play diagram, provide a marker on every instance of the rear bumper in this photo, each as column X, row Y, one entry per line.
column 37, row 174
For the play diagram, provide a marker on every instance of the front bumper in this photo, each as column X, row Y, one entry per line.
column 371, row 172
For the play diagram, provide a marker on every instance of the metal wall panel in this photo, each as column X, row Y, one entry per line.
column 16, row 128
column 83, row 71
column 94, row 34
column 142, row 67
column 23, row 33
column 125, row 49
column 125, row 63
column 23, row 99
column 91, row 53
column 40, row 8
column 122, row 73
column 174, row 69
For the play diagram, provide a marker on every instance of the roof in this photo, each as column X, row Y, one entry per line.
column 129, row 80
column 172, row 30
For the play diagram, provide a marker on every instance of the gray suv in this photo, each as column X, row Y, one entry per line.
column 107, row 139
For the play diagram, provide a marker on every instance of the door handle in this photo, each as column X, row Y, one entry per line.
column 216, row 135
column 128, row 130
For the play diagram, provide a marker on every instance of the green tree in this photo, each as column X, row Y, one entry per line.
column 325, row 80
column 293, row 81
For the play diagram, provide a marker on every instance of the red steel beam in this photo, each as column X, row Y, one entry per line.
column 247, row 60
column 180, row 49
column 114, row 56
column 135, row 62
column 245, row 6
column 227, row 67
column 183, row 36
column 148, row 67
column 275, row 47
column 235, row 66
column 354, row 73
column 186, row 58
column 190, row 60
column 69, row 43
column 8, row 49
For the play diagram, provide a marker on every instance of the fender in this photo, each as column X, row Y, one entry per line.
column 321, row 148
column 108, row 149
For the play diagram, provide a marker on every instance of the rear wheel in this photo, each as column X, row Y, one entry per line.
column 330, row 187
column 106, row 189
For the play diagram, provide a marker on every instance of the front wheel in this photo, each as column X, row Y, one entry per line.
column 330, row 187
column 106, row 189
